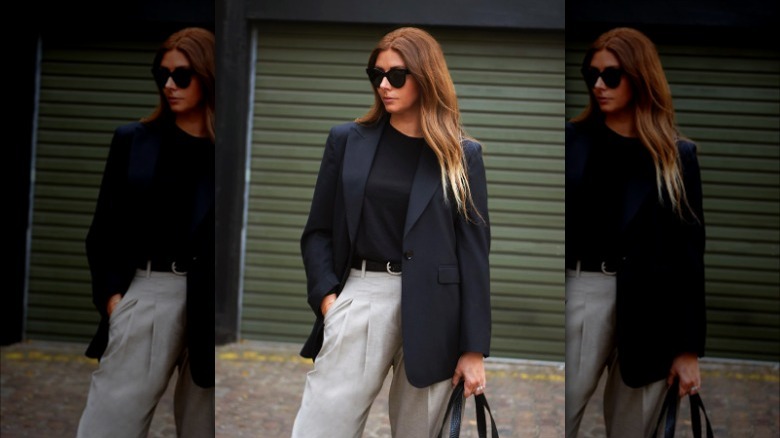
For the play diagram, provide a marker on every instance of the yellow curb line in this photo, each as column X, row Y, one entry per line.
column 39, row 356
column 253, row 356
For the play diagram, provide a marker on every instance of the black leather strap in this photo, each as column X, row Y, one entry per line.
column 374, row 266
column 593, row 265
column 165, row 265
column 669, row 409
column 482, row 404
column 455, row 407
column 697, row 404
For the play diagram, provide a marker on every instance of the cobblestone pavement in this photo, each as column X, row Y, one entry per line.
column 259, row 385
column 742, row 399
column 259, row 388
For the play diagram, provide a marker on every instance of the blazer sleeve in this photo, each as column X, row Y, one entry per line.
column 317, row 238
column 473, row 248
column 103, row 242
column 693, row 235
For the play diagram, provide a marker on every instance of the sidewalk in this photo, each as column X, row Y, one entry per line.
column 259, row 385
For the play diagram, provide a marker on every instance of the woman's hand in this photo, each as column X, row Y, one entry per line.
column 471, row 369
column 326, row 303
column 686, row 368
column 112, row 302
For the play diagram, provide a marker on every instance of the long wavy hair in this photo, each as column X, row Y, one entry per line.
column 197, row 45
column 441, row 124
column 653, row 110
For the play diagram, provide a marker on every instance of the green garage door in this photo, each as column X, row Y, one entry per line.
column 510, row 87
column 86, row 91
column 728, row 102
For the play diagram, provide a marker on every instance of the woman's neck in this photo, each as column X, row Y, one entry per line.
column 623, row 123
column 407, row 124
column 193, row 124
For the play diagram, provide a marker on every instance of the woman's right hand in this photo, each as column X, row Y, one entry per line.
column 112, row 302
column 686, row 368
column 326, row 303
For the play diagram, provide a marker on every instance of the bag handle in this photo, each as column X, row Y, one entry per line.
column 669, row 408
column 455, row 407
column 696, row 404
column 482, row 404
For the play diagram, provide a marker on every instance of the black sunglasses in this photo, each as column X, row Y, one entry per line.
column 610, row 75
column 182, row 76
column 396, row 76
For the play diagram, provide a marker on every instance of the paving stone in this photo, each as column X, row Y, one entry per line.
column 44, row 385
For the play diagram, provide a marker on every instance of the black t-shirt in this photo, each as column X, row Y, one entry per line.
column 380, row 234
column 593, row 220
column 182, row 160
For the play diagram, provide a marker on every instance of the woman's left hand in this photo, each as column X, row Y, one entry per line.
column 471, row 369
column 686, row 368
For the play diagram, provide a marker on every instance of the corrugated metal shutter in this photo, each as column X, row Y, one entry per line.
column 86, row 91
column 728, row 101
column 510, row 88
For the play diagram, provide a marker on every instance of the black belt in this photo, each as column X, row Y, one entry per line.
column 374, row 266
column 606, row 266
column 165, row 265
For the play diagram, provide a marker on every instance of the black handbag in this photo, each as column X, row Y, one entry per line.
column 455, row 408
column 669, row 409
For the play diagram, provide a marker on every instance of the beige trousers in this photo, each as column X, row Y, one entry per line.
column 362, row 341
column 590, row 350
column 146, row 342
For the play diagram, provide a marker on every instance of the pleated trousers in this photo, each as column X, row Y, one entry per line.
column 591, row 350
column 362, row 342
column 146, row 343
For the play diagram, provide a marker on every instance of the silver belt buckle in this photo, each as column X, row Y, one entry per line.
column 173, row 269
column 390, row 271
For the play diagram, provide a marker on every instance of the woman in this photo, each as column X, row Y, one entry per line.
column 151, row 255
column 396, row 253
column 635, row 241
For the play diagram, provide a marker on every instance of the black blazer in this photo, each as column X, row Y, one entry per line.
column 445, row 308
column 660, row 309
column 113, row 254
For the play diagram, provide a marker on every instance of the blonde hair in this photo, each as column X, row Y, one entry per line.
column 440, row 117
column 653, row 110
column 198, row 46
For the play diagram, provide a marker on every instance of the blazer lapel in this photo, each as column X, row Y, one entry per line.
column 358, row 157
column 143, row 158
column 427, row 179
column 637, row 189
column 640, row 185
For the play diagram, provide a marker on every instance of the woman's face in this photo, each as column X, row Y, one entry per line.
column 403, row 100
column 611, row 101
column 182, row 100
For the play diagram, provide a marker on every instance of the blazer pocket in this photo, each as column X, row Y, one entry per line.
column 449, row 274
